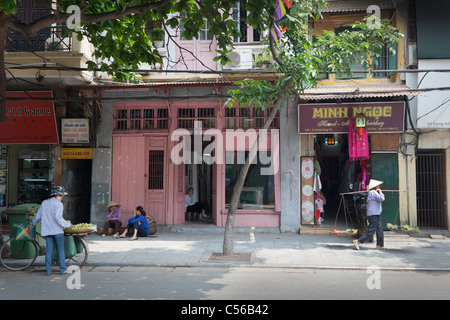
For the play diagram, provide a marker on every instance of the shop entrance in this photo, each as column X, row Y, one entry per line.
column 200, row 177
column 431, row 199
column 338, row 178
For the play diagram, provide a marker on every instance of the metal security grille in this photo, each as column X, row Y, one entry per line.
column 156, row 169
column 141, row 118
column 431, row 190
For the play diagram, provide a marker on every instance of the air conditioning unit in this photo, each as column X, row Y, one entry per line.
column 241, row 59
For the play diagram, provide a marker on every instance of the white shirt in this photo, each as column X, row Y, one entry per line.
column 50, row 214
column 188, row 202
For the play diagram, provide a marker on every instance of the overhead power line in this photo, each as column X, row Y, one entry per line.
column 208, row 96
column 62, row 68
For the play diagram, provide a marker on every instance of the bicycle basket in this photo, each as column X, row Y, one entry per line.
column 25, row 233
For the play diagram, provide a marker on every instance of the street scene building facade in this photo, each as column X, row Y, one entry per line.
column 146, row 144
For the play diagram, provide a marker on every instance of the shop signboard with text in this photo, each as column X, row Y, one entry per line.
column 29, row 120
column 381, row 117
column 75, row 130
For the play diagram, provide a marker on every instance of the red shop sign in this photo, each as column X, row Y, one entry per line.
column 334, row 117
column 29, row 121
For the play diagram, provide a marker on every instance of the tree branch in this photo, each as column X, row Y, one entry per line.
column 59, row 17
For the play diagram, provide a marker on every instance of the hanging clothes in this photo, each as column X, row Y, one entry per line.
column 364, row 175
column 317, row 182
column 358, row 147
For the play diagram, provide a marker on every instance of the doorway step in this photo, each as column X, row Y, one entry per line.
column 205, row 228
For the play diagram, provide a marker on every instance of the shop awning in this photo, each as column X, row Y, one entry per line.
column 357, row 91
column 357, row 5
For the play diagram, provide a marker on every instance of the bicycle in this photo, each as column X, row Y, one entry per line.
column 18, row 255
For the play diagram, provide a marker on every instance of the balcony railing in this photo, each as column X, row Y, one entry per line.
column 54, row 38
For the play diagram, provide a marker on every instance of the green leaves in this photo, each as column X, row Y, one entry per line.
column 302, row 59
column 8, row 6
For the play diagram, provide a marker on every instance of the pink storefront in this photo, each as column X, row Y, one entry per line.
column 162, row 148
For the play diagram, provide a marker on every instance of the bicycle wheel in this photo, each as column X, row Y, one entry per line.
column 18, row 255
column 81, row 257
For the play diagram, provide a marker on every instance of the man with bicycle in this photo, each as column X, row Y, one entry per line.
column 50, row 215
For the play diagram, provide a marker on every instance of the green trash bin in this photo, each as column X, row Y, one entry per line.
column 16, row 216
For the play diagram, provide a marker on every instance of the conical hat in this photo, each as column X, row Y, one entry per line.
column 373, row 183
column 112, row 204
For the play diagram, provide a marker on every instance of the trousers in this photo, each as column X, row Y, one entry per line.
column 375, row 226
column 59, row 240
column 140, row 229
column 116, row 224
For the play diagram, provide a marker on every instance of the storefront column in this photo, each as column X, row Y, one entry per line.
column 447, row 183
column 289, row 170
column 407, row 187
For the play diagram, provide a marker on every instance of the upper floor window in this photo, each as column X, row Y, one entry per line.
column 387, row 61
column 248, row 34
column 141, row 118
column 204, row 34
column 204, row 115
column 245, row 117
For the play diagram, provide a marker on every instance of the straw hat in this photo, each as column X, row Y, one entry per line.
column 112, row 204
column 373, row 183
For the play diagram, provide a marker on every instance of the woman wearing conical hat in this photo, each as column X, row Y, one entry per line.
column 374, row 209
column 113, row 219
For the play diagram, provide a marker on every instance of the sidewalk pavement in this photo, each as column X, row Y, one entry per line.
column 254, row 248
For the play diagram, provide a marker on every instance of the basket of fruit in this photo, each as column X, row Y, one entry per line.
column 81, row 228
column 404, row 228
column 345, row 233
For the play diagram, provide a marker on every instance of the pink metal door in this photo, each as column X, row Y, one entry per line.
column 156, row 179
column 179, row 193
column 128, row 181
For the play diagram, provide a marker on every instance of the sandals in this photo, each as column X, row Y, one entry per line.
column 356, row 242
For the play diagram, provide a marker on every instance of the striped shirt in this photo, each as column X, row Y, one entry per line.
column 50, row 214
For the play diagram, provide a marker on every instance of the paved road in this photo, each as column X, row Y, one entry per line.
column 196, row 283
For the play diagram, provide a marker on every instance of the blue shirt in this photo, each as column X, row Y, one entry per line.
column 50, row 215
column 374, row 200
column 143, row 220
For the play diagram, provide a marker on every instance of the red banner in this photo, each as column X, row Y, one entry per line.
column 29, row 121
column 334, row 118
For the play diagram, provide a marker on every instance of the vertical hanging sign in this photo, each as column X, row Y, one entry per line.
column 307, row 192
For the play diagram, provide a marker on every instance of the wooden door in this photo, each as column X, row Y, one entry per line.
column 128, row 181
column 156, row 187
column 29, row 11
column 385, row 168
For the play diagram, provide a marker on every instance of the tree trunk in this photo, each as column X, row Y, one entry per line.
column 3, row 31
column 228, row 241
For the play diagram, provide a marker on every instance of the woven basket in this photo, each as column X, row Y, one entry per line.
column 403, row 231
column 77, row 231
column 342, row 234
